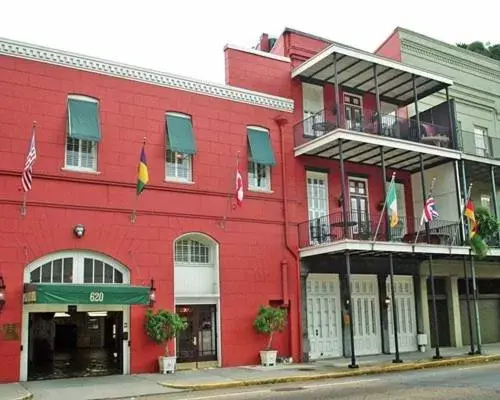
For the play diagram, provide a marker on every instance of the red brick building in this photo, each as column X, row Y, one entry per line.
column 318, row 130
column 212, row 261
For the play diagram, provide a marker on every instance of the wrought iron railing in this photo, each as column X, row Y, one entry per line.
column 479, row 144
column 361, row 226
column 369, row 121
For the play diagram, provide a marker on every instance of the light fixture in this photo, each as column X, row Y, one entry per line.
column 97, row 313
column 152, row 294
column 2, row 292
column 79, row 230
column 387, row 301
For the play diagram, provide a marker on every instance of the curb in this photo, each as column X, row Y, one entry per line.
column 335, row 375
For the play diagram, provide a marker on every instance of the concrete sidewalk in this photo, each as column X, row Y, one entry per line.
column 217, row 378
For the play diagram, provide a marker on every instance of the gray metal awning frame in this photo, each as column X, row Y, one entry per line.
column 364, row 148
column 354, row 69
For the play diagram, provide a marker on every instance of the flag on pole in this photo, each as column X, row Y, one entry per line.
column 239, row 187
column 27, row 178
column 430, row 212
column 476, row 241
column 471, row 216
column 142, row 173
column 392, row 203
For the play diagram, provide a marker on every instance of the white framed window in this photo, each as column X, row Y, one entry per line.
column 259, row 173
column 178, row 164
column 481, row 141
column 81, row 153
column 190, row 251
column 486, row 201
column 259, row 176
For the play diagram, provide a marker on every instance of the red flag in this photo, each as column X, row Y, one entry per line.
column 239, row 187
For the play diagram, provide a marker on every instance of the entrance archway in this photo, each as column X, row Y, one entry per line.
column 197, row 298
column 76, row 316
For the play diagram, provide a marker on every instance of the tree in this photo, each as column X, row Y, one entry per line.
column 485, row 49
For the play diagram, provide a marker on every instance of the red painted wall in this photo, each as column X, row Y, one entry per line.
column 391, row 47
column 259, row 73
column 251, row 244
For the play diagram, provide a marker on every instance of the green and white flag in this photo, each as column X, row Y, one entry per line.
column 391, row 202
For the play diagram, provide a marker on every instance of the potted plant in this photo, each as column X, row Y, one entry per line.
column 487, row 229
column 269, row 321
column 161, row 327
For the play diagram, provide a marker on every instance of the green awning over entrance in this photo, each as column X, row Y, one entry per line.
column 55, row 293
column 83, row 120
column 260, row 147
column 180, row 134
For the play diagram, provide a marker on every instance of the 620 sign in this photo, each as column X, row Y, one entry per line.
column 96, row 297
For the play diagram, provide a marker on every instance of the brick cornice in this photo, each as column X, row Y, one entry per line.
column 104, row 67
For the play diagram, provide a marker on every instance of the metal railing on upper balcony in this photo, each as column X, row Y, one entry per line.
column 369, row 121
column 361, row 226
column 479, row 144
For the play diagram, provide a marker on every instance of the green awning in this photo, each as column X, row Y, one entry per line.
column 73, row 294
column 83, row 120
column 180, row 135
column 260, row 147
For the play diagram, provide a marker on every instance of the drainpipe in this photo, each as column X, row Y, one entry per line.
column 281, row 122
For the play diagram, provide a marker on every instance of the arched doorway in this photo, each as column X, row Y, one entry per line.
column 197, row 298
column 76, row 316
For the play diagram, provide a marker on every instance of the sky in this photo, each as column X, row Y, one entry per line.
column 187, row 37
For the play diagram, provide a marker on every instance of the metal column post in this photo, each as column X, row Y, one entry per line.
column 476, row 305
column 391, row 267
column 377, row 100
column 494, row 194
column 450, row 121
column 427, row 233
column 466, row 277
column 343, row 190
column 337, row 91
column 351, row 322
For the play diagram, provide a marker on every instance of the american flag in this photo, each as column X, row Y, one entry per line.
column 430, row 212
column 26, row 178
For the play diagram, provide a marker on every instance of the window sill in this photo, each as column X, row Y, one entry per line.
column 80, row 171
column 258, row 190
column 173, row 180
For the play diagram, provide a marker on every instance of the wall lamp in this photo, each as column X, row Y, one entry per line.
column 79, row 231
column 2, row 292
column 387, row 301
column 152, row 294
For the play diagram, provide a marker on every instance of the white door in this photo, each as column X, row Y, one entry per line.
column 312, row 103
column 317, row 203
column 406, row 314
column 323, row 315
column 366, row 315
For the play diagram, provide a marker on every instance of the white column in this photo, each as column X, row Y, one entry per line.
column 424, row 308
column 453, row 302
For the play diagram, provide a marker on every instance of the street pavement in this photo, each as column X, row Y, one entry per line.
column 456, row 383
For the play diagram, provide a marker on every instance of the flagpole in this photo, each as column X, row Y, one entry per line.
column 423, row 209
column 222, row 223
column 25, row 194
column 133, row 216
column 383, row 208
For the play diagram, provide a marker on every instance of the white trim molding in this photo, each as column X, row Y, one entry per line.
column 104, row 67
column 395, row 247
column 257, row 53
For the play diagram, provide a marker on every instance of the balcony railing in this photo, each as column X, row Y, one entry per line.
column 479, row 144
column 368, row 121
column 360, row 226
